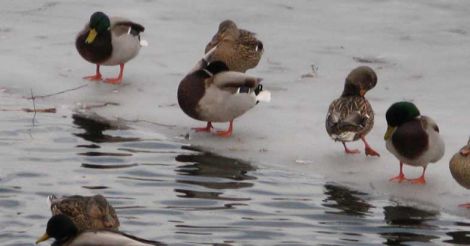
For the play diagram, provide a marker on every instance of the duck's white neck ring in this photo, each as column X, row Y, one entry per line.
column 208, row 72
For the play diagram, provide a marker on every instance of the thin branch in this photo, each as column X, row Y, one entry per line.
column 34, row 106
column 60, row 92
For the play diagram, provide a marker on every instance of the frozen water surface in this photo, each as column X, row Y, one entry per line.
column 289, row 183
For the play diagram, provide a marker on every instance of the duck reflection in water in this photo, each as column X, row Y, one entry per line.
column 348, row 201
column 94, row 126
column 213, row 172
column 408, row 224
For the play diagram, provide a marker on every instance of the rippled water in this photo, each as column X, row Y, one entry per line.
column 181, row 195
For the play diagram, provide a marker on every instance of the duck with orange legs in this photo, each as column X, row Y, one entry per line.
column 413, row 139
column 109, row 41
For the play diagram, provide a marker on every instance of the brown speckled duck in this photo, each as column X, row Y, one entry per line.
column 109, row 42
column 238, row 48
column 87, row 212
column 412, row 138
column 351, row 117
column 212, row 93
column 460, row 168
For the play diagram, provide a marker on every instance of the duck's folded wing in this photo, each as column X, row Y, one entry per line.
column 122, row 26
column 233, row 79
column 353, row 121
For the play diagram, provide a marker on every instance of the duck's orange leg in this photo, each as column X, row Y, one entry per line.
column 95, row 77
column 350, row 151
column 419, row 180
column 204, row 129
column 119, row 78
column 368, row 149
column 400, row 176
column 228, row 132
column 465, row 205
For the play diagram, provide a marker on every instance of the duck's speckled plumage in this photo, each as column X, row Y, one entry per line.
column 87, row 212
column 460, row 166
column 351, row 117
column 238, row 48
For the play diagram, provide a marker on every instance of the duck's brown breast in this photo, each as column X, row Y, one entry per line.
column 410, row 139
column 96, row 52
column 190, row 91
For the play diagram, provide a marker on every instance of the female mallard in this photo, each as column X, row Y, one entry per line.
column 413, row 138
column 63, row 230
column 351, row 117
column 109, row 42
column 238, row 48
column 212, row 93
column 87, row 212
column 460, row 168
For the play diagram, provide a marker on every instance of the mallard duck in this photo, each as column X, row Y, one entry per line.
column 460, row 168
column 63, row 230
column 413, row 138
column 87, row 212
column 238, row 48
column 212, row 93
column 109, row 42
column 351, row 117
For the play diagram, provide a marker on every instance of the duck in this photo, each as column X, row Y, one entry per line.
column 350, row 117
column 212, row 93
column 412, row 138
column 459, row 166
column 239, row 49
column 86, row 212
column 109, row 41
column 63, row 230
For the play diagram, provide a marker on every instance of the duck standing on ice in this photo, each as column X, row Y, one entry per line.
column 351, row 117
column 412, row 138
column 109, row 42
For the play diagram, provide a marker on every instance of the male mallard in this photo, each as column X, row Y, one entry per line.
column 109, row 41
column 413, row 138
column 351, row 117
column 212, row 93
column 63, row 230
column 238, row 48
column 460, row 168
column 87, row 212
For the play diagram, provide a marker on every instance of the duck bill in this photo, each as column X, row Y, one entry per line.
column 389, row 132
column 465, row 151
column 91, row 36
column 362, row 92
column 42, row 238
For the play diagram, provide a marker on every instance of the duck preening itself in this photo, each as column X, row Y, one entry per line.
column 350, row 117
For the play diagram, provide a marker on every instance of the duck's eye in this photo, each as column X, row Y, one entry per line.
column 259, row 46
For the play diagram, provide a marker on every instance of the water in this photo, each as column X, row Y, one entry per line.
column 181, row 195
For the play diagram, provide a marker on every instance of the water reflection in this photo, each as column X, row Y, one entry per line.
column 459, row 237
column 407, row 224
column 94, row 125
column 407, row 216
column 348, row 201
column 213, row 172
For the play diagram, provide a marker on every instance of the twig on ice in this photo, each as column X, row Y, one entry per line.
column 34, row 106
column 60, row 92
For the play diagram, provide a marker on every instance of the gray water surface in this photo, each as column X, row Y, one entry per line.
column 181, row 195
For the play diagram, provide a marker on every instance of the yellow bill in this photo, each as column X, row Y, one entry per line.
column 389, row 132
column 91, row 36
column 43, row 238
